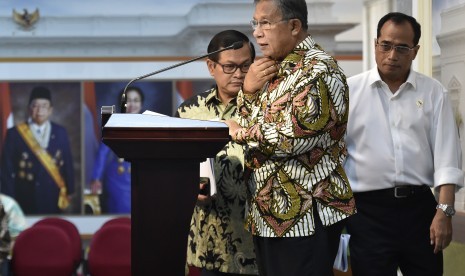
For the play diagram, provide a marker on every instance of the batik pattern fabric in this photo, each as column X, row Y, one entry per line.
column 15, row 216
column 293, row 130
column 5, row 238
column 217, row 238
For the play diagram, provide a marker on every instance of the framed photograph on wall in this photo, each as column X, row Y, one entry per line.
column 41, row 155
column 108, row 177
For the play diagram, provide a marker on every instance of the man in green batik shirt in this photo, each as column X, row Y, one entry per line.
column 293, row 110
column 218, row 242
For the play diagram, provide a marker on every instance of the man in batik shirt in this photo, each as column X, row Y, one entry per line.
column 218, row 242
column 293, row 114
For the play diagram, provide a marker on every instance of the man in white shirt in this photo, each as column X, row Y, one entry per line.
column 402, row 140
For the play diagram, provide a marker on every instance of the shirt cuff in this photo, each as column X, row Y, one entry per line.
column 449, row 176
column 248, row 98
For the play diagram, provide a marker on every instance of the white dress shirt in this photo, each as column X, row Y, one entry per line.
column 41, row 132
column 408, row 137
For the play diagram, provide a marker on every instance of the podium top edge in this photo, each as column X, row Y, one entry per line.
column 124, row 120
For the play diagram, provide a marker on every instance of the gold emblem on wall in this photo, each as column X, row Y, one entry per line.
column 26, row 19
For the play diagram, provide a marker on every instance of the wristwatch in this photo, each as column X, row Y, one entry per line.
column 447, row 209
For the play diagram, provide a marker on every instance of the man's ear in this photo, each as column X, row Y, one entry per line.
column 211, row 67
column 416, row 51
column 296, row 26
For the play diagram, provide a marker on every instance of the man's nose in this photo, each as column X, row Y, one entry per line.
column 257, row 32
column 238, row 73
column 393, row 54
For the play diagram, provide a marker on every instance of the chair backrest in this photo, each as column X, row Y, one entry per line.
column 110, row 251
column 118, row 220
column 42, row 250
column 72, row 232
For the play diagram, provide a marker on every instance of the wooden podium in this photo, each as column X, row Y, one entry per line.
column 165, row 155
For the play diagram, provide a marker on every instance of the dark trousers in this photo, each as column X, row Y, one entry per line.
column 5, row 267
column 301, row 256
column 389, row 233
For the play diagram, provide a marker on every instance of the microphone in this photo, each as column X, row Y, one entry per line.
column 236, row 45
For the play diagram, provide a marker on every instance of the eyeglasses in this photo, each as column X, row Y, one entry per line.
column 264, row 24
column 402, row 50
column 230, row 68
column 38, row 106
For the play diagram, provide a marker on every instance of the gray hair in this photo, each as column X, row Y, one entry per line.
column 292, row 9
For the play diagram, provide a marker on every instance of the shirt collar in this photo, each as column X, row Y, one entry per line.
column 412, row 78
column 374, row 77
column 212, row 97
column 36, row 126
column 290, row 62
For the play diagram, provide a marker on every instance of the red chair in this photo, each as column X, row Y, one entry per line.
column 42, row 250
column 110, row 251
column 118, row 220
column 72, row 232
column 194, row 271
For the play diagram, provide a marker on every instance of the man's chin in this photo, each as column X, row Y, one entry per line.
column 39, row 122
column 233, row 90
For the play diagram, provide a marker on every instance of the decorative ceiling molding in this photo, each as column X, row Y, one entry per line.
column 185, row 33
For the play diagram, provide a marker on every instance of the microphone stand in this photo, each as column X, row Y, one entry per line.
column 236, row 45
